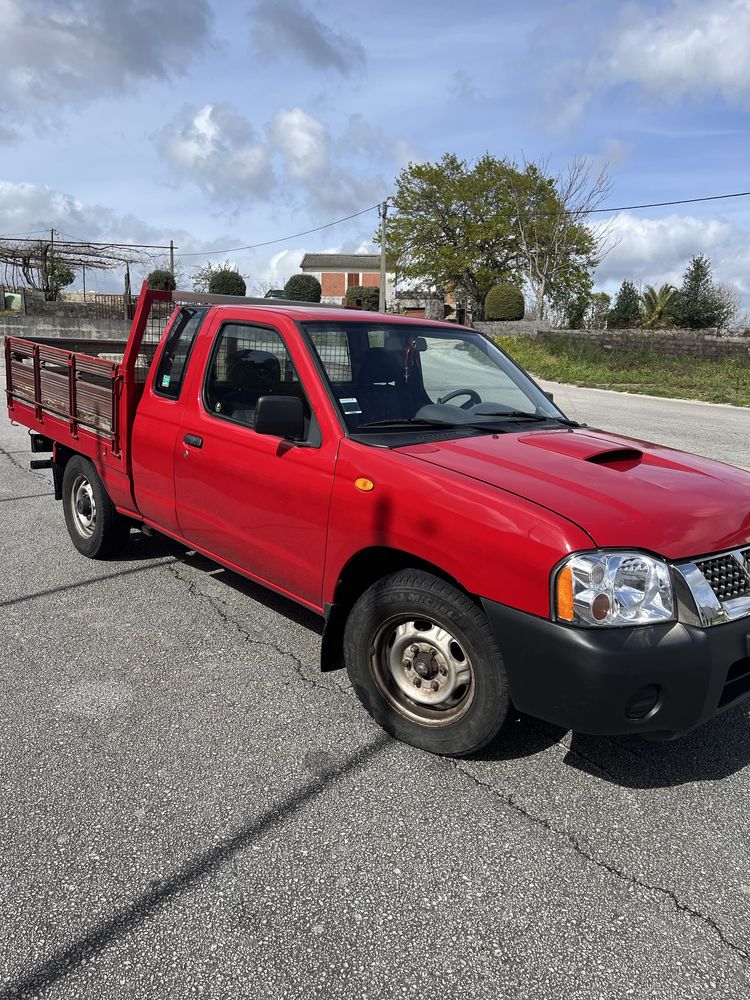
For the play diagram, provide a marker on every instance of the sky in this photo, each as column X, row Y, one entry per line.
column 220, row 125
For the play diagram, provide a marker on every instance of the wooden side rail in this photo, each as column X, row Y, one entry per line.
column 80, row 389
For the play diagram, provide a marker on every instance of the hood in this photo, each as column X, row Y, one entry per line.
column 622, row 492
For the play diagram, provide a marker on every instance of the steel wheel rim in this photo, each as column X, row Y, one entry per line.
column 83, row 506
column 423, row 670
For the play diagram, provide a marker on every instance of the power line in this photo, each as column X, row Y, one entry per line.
column 663, row 204
column 281, row 239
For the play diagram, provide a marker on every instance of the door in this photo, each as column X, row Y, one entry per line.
column 158, row 420
column 253, row 500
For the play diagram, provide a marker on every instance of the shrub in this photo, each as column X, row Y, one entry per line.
column 227, row 281
column 626, row 311
column 369, row 297
column 162, row 279
column 503, row 302
column 302, row 288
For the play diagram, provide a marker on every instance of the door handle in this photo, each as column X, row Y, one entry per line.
column 193, row 440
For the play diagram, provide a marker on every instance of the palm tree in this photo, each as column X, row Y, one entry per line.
column 655, row 303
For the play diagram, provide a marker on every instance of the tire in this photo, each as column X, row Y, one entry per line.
column 423, row 660
column 94, row 526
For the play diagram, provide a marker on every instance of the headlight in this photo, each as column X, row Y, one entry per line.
column 613, row 588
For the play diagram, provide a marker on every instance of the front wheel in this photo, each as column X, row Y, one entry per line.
column 423, row 660
column 94, row 526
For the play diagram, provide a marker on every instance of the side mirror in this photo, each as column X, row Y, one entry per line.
column 281, row 416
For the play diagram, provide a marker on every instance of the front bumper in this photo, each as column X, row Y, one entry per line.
column 592, row 680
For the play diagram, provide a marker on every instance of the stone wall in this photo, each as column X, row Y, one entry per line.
column 662, row 343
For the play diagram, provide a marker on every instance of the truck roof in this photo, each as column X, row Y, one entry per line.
column 332, row 314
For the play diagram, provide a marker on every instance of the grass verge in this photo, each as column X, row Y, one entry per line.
column 643, row 371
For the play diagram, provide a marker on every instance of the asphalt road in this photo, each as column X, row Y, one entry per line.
column 189, row 809
column 717, row 431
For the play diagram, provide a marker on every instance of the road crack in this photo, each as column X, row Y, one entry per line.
column 618, row 873
column 253, row 638
column 19, row 465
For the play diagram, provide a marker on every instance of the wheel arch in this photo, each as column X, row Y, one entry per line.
column 362, row 570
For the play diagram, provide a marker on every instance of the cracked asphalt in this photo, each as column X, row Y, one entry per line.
column 189, row 809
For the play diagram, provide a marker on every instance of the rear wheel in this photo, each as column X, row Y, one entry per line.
column 94, row 526
column 423, row 661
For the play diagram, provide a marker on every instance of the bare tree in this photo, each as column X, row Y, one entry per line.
column 728, row 306
column 558, row 248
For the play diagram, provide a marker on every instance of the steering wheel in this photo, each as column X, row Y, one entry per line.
column 473, row 399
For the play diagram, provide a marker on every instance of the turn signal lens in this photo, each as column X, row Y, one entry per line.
column 366, row 485
column 565, row 609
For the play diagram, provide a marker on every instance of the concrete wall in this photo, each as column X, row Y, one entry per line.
column 663, row 343
column 64, row 326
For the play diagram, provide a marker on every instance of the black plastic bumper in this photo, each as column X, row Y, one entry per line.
column 594, row 681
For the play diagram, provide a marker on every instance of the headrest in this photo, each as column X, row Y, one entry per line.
column 253, row 369
column 381, row 365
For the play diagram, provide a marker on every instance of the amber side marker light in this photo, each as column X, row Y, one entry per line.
column 565, row 595
column 366, row 485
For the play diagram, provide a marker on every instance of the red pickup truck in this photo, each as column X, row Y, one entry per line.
column 468, row 545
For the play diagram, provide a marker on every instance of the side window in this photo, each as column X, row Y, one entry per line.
column 174, row 357
column 248, row 362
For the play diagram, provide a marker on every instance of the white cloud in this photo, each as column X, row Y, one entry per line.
column 687, row 49
column 281, row 27
column 652, row 251
column 74, row 51
column 304, row 142
column 219, row 150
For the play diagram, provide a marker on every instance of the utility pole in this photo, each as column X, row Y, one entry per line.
column 382, row 212
column 171, row 257
column 84, row 283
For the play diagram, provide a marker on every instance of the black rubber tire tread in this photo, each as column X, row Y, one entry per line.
column 414, row 590
column 112, row 529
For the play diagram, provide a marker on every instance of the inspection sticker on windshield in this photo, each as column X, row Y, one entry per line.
column 165, row 381
column 350, row 405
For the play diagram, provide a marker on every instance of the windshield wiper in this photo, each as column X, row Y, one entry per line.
column 400, row 422
column 522, row 414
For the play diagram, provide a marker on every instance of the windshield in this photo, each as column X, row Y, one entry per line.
column 387, row 375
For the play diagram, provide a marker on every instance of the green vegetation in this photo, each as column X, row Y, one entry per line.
column 504, row 302
column 303, row 288
column 161, row 278
column 626, row 311
column 369, row 297
column 227, row 281
column 641, row 371
column 464, row 227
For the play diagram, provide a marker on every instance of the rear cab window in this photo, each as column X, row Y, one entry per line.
column 170, row 372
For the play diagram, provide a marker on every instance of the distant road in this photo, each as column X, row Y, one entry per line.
column 711, row 429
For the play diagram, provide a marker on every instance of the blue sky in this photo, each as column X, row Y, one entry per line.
column 224, row 124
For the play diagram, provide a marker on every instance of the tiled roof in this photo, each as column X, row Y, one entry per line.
column 341, row 261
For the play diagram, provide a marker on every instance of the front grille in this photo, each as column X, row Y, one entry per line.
column 726, row 576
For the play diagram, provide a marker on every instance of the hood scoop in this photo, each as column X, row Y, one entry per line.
column 597, row 449
column 617, row 458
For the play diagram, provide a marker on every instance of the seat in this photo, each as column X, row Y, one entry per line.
column 382, row 392
column 250, row 375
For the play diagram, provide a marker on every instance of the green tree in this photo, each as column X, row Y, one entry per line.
column 626, row 311
column 368, row 296
column 204, row 275
column 58, row 276
column 227, row 281
column 656, row 305
column 303, row 288
column 597, row 311
column 696, row 305
column 451, row 226
column 161, row 278
column 557, row 249
column 504, row 302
